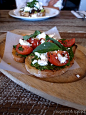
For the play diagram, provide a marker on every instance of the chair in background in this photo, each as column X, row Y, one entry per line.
column 71, row 4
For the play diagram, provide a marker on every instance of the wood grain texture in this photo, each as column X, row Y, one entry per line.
column 65, row 21
column 69, row 94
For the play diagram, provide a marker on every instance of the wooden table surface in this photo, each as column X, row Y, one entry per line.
column 16, row 100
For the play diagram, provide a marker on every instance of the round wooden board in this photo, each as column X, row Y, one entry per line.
column 69, row 94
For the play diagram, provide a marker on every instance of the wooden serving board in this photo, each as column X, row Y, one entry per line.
column 68, row 94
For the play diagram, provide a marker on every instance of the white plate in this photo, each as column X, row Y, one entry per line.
column 50, row 12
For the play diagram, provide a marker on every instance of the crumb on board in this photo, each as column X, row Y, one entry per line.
column 77, row 75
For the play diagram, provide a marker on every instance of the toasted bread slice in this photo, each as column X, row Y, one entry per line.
column 46, row 73
column 17, row 57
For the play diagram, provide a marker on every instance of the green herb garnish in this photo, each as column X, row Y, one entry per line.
column 23, row 55
column 32, row 35
column 14, row 46
column 20, row 48
column 32, row 4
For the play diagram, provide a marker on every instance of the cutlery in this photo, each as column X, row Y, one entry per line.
column 82, row 14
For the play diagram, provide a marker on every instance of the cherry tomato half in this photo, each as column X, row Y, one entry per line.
column 34, row 42
column 67, row 43
column 53, row 57
column 24, row 49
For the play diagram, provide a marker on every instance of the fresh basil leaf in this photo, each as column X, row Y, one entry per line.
column 20, row 48
column 56, row 42
column 32, row 35
column 14, row 46
column 46, row 47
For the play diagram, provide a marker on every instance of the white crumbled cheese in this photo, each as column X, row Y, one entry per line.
column 43, row 56
column 56, row 57
column 37, row 54
column 56, row 51
column 27, row 9
column 68, row 48
column 37, row 43
column 34, row 15
column 32, row 42
column 42, row 35
column 24, row 42
column 77, row 75
column 32, row 38
column 38, row 5
column 64, row 51
column 44, row 60
column 34, row 61
column 42, row 41
column 61, row 58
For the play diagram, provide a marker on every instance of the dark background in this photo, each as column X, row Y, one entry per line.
column 68, row 4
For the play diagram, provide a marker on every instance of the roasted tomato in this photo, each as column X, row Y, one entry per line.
column 23, row 49
column 67, row 43
column 34, row 42
column 58, row 58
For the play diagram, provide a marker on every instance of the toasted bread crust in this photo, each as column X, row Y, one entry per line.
column 17, row 57
column 44, row 73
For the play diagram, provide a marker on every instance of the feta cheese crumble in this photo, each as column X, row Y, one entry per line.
column 77, row 75
column 42, row 35
column 42, row 41
column 38, row 5
column 61, row 58
column 34, row 61
column 24, row 42
column 43, row 61
column 27, row 9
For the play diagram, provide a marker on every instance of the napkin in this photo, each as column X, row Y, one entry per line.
column 79, row 14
